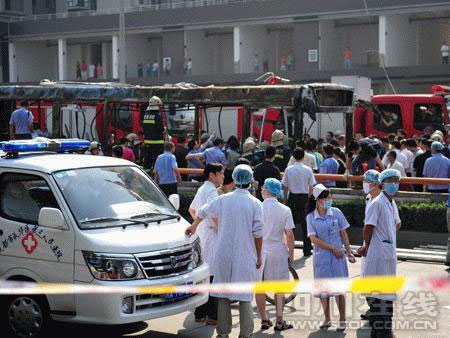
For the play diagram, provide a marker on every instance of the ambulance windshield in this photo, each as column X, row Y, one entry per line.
column 108, row 193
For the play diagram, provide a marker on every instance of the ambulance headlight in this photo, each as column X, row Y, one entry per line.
column 130, row 269
column 196, row 255
column 112, row 267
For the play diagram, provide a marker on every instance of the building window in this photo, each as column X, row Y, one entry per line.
column 16, row 5
column 82, row 4
column 50, row 4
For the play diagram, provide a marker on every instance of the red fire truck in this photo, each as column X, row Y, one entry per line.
column 385, row 114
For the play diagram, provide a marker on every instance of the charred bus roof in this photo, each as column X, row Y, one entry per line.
column 323, row 95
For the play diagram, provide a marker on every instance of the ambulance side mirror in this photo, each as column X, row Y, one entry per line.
column 52, row 218
column 175, row 200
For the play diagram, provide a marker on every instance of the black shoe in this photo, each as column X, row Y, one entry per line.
column 281, row 326
column 307, row 254
column 266, row 324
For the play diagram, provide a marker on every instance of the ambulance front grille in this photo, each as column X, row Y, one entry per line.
column 166, row 263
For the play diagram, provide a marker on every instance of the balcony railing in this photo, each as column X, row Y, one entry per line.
column 175, row 4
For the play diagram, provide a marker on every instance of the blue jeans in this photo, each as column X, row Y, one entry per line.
column 348, row 64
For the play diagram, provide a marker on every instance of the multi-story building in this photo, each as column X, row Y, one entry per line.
column 228, row 41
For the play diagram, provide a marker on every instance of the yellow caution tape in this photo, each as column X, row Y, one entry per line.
column 380, row 284
column 277, row 287
column 366, row 285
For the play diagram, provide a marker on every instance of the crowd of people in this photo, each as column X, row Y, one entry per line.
column 416, row 156
column 263, row 233
column 270, row 211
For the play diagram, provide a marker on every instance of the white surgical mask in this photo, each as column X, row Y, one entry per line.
column 366, row 187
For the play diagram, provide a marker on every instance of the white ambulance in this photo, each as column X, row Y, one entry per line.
column 90, row 220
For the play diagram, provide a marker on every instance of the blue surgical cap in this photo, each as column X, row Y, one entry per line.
column 273, row 186
column 437, row 145
column 388, row 173
column 372, row 176
column 242, row 174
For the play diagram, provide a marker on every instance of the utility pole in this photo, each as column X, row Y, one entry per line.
column 122, row 44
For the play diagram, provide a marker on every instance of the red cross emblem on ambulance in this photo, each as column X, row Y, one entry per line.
column 29, row 242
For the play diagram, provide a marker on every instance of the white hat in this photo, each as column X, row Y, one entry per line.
column 277, row 138
column 249, row 145
column 132, row 137
column 437, row 137
column 318, row 189
column 155, row 100
column 154, row 103
column 94, row 145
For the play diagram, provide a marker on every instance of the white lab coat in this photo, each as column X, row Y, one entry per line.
column 381, row 258
column 240, row 222
column 275, row 253
column 207, row 230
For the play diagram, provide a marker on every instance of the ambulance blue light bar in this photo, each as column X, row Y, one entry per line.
column 43, row 144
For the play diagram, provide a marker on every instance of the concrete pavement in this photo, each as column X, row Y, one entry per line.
column 416, row 315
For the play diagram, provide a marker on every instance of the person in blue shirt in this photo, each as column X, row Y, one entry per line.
column 213, row 154
column 437, row 166
column 166, row 170
column 329, row 165
column 21, row 123
column 327, row 230
column 194, row 163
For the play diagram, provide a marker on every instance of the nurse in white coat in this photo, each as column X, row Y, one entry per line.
column 371, row 187
column 207, row 231
column 238, row 250
column 278, row 249
column 380, row 243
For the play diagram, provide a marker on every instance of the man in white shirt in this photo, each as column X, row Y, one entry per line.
column 444, row 52
column 155, row 69
column 309, row 160
column 278, row 249
column 91, row 71
column 239, row 245
column 256, row 63
column 392, row 163
column 380, row 243
column 298, row 181
column 409, row 157
column 207, row 231
column 189, row 67
column 415, row 151
column 400, row 157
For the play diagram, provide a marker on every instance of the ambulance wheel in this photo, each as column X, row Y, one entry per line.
column 26, row 315
column 290, row 298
